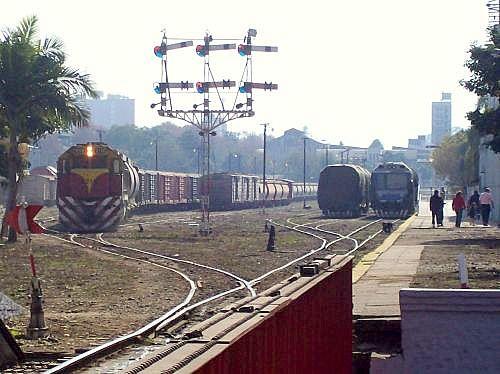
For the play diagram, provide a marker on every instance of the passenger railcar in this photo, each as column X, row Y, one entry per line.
column 344, row 190
column 394, row 190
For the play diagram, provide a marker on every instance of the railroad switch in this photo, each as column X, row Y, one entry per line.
column 272, row 237
column 387, row 226
column 36, row 328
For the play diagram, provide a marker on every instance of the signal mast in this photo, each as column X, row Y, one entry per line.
column 206, row 120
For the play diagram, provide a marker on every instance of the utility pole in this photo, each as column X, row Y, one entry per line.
column 209, row 118
column 157, row 174
column 326, row 151
column 100, row 132
column 156, row 154
column 264, row 170
column 198, row 160
column 304, row 179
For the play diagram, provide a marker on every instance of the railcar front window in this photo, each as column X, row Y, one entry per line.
column 391, row 181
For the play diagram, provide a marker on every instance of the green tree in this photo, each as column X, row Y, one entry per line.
column 38, row 93
column 457, row 158
column 484, row 64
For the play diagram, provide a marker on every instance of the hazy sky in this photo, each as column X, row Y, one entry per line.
column 351, row 71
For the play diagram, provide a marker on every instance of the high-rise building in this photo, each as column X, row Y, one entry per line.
column 112, row 110
column 441, row 118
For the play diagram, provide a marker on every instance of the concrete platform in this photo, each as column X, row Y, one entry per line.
column 380, row 275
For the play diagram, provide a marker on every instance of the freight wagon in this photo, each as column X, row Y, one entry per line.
column 235, row 191
column 344, row 190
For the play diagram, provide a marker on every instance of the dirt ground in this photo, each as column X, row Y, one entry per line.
column 438, row 266
column 91, row 296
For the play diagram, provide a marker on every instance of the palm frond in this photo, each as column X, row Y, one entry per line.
column 53, row 48
column 27, row 29
column 72, row 80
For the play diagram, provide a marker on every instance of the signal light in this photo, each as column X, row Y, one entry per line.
column 89, row 150
column 157, row 89
column 201, row 51
column 246, row 88
column 243, row 50
column 157, row 51
column 200, row 87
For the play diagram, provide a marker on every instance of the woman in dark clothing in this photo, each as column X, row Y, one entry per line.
column 458, row 205
column 436, row 205
column 473, row 206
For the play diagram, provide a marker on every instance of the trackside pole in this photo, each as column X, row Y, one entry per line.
column 462, row 271
column 36, row 328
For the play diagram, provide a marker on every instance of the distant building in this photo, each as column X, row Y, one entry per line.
column 112, row 110
column 419, row 143
column 374, row 154
column 441, row 118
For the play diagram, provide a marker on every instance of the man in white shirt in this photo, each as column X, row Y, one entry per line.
column 486, row 202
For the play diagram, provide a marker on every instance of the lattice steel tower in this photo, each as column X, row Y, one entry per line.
column 211, row 116
column 493, row 12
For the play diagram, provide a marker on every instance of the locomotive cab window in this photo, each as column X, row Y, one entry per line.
column 391, row 181
column 116, row 166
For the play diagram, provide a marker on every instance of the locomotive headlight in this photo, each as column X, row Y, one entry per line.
column 89, row 151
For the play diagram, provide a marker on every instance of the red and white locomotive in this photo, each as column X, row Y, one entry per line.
column 97, row 186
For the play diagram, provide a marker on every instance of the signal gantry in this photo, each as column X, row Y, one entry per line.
column 213, row 113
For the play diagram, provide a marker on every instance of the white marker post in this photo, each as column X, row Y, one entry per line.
column 462, row 271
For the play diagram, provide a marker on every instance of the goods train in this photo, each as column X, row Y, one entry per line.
column 394, row 190
column 344, row 191
column 97, row 186
column 236, row 191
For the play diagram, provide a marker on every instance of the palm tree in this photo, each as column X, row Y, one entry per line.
column 38, row 94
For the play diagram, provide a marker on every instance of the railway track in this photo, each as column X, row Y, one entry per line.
column 312, row 229
column 325, row 244
column 171, row 315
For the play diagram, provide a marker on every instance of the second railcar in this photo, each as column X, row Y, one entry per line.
column 394, row 190
column 164, row 190
column 344, row 190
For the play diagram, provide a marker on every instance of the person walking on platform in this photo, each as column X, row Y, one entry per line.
column 436, row 206
column 486, row 201
column 458, row 205
column 473, row 206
